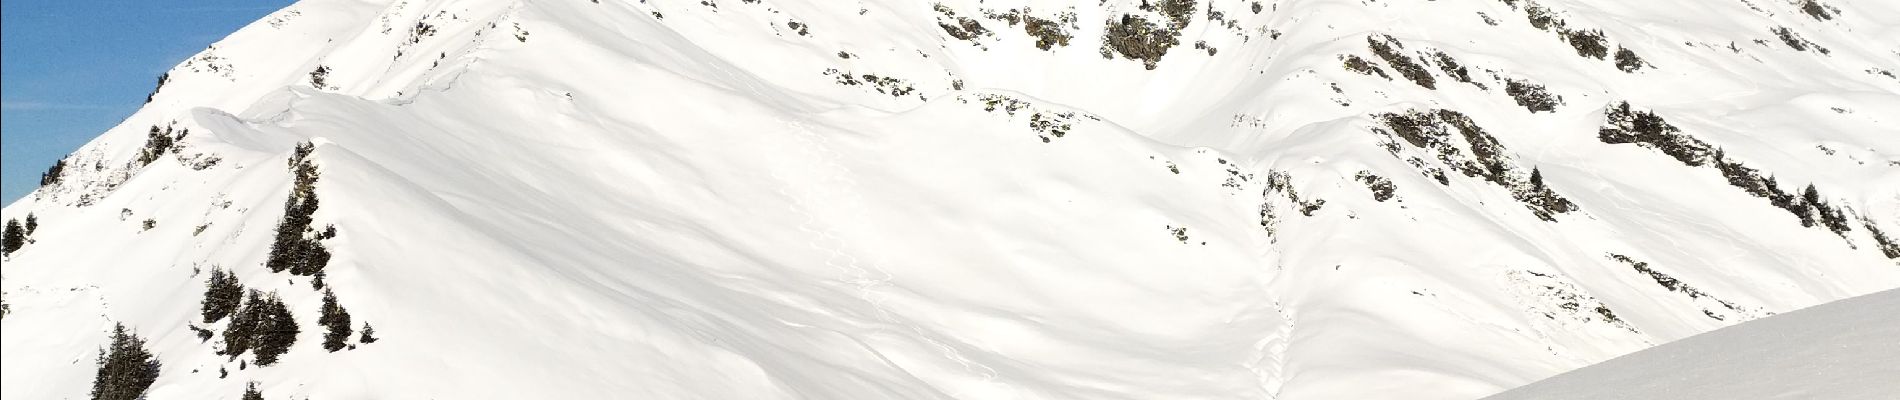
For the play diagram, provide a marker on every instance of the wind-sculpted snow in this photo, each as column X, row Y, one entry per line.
column 1841, row 350
column 1033, row 199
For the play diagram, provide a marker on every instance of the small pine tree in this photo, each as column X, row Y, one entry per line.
column 317, row 77
column 369, row 334
column 223, row 294
column 1810, row 200
column 32, row 224
column 15, row 236
column 337, row 320
column 251, row 392
column 126, row 368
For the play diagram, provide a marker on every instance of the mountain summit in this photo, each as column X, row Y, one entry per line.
column 960, row 199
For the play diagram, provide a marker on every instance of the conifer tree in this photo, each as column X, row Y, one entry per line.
column 223, row 295
column 126, row 368
column 264, row 325
column 53, row 173
column 239, row 336
column 276, row 331
column 369, row 334
column 294, row 249
column 1811, row 201
column 337, row 320
column 15, row 236
column 251, row 392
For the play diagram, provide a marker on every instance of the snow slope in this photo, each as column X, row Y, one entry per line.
column 873, row 199
column 1839, row 350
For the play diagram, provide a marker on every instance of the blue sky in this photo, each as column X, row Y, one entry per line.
column 70, row 69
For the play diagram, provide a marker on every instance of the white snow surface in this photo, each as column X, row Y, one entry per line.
column 1841, row 350
column 675, row 200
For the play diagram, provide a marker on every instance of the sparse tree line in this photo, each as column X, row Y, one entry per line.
column 162, row 80
column 1628, row 125
column 18, row 235
column 259, row 322
column 127, row 369
column 158, row 141
column 263, row 324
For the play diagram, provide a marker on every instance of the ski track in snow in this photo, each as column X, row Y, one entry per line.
column 1272, row 349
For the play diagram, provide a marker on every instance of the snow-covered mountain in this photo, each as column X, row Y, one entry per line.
column 1028, row 199
column 1842, row 350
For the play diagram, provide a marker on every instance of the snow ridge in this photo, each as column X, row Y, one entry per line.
column 1023, row 199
